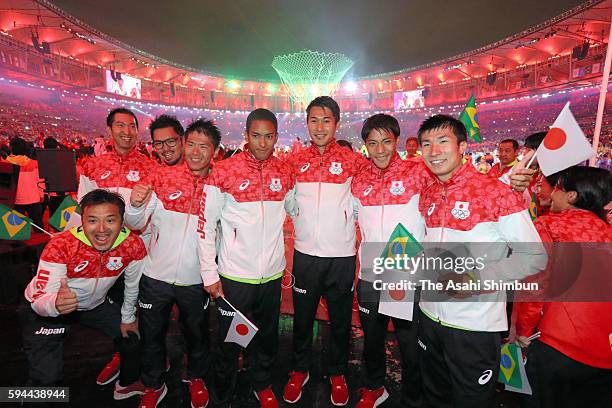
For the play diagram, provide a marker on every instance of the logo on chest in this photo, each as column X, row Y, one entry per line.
column 176, row 195
column 133, row 175
column 275, row 185
column 304, row 168
column 244, row 185
column 105, row 175
column 335, row 168
column 397, row 188
column 81, row 266
column 367, row 191
column 461, row 210
column 114, row 263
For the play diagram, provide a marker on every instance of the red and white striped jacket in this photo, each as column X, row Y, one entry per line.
column 172, row 216
column 580, row 330
column 247, row 197
column 90, row 273
column 323, row 218
column 474, row 207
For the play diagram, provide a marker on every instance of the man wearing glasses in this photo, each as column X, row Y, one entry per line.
column 167, row 135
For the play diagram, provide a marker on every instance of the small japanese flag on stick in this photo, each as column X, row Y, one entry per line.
column 241, row 330
column 564, row 145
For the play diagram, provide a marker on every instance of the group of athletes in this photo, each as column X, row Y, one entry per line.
column 192, row 231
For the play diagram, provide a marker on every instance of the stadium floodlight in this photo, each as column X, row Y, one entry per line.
column 308, row 74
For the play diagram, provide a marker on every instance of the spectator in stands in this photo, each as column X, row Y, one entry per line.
column 508, row 151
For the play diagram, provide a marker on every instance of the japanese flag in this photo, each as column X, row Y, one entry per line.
column 564, row 145
column 241, row 330
column 396, row 301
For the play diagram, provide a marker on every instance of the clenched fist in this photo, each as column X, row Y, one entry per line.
column 140, row 195
column 66, row 300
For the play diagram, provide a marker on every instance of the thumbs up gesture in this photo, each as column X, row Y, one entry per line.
column 140, row 195
column 66, row 300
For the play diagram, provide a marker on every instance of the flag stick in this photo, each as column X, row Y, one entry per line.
column 46, row 232
column 534, row 336
column 602, row 97
column 531, row 160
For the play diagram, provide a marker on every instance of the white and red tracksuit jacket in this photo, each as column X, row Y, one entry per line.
column 385, row 198
column 474, row 207
column 247, row 196
column 323, row 218
column 89, row 273
column 172, row 216
column 114, row 172
column 580, row 330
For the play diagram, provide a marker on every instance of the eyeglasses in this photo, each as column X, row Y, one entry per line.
column 159, row 144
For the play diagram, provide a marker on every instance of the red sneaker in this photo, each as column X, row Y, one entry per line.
column 110, row 372
column 339, row 390
column 372, row 398
column 121, row 392
column 293, row 389
column 199, row 393
column 152, row 397
column 266, row 398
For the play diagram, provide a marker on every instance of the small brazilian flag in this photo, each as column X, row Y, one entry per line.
column 401, row 242
column 509, row 372
column 533, row 207
column 469, row 118
column 62, row 215
column 14, row 225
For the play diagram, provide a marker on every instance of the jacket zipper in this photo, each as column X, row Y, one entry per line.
column 382, row 205
column 263, row 219
column 316, row 237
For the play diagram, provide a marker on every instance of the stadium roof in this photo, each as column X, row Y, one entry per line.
column 191, row 41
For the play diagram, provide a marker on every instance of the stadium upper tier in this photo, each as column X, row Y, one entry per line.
column 37, row 39
column 29, row 108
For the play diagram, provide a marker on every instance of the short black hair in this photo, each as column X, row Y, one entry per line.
column 440, row 122
column 345, row 143
column 101, row 196
column 19, row 147
column 515, row 144
column 166, row 121
column 50, row 143
column 111, row 116
column 325, row 102
column 593, row 186
column 261, row 114
column 534, row 140
column 380, row 121
column 205, row 127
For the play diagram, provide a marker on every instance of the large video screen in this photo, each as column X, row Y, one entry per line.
column 122, row 84
column 408, row 100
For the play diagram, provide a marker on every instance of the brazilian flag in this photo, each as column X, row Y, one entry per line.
column 533, row 207
column 401, row 242
column 14, row 225
column 62, row 215
column 509, row 372
column 469, row 118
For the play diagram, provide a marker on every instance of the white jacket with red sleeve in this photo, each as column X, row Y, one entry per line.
column 89, row 273
column 248, row 198
column 475, row 208
column 172, row 217
column 323, row 218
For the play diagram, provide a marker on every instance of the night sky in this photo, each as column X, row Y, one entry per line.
column 240, row 38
